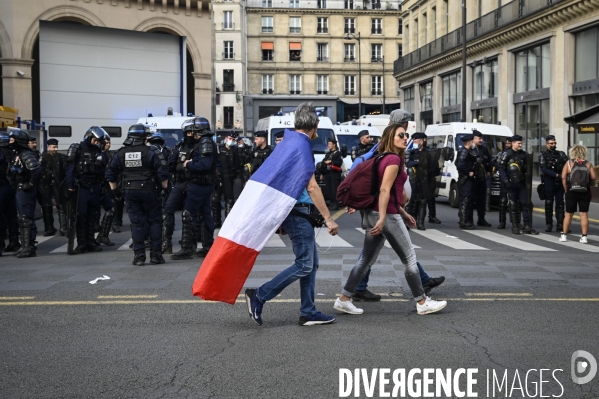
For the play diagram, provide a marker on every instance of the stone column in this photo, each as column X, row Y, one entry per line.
column 16, row 83
column 204, row 101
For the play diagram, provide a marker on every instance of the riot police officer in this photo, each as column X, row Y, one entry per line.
column 330, row 172
column 157, row 139
column 482, row 173
column 261, row 150
column 200, row 171
column 245, row 154
column 503, row 191
column 26, row 172
column 144, row 175
column 86, row 170
column 513, row 172
column 8, row 203
column 466, row 162
column 279, row 137
column 434, row 173
column 52, row 188
column 105, row 200
column 229, row 168
column 363, row 146
column 551, row 163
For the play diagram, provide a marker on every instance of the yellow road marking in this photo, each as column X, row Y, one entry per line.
column 498, row 294
column 198, row 301
column 15, row 298
column 338, row 214
column 127, row 296
column 540, row 210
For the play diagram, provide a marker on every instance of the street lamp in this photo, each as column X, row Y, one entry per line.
column 349, row 36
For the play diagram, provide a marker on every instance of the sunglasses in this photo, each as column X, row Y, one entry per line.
column 404, row 135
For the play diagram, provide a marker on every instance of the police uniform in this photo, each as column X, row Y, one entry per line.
column 512, row 169
column 106, row 203
column 200, row 170
column 481, row 188
column 228, row 157
column 503, row 191
column 86, row 169
column 551, row 163
column 418, row 201
column 143, row 171
column 8, row 204
column 361, row 149
column 465, row 164
column 52, row 189
column 259, row 154
column 26, row 172
column 332, row 174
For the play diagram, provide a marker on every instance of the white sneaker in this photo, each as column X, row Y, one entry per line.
column 347, row 307
column 563, row 238
column 430, row 306
column 584, row 240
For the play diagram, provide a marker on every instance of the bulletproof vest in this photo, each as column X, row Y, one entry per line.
column 465, row 155
column 136, row 167
column 260, row 155
column 89, row 168
column 360, row 150
column 227, row 159
column 21, row 168
column 181, row 173
column 53, row 168
column 205, row 177
column 482, row 159
column 554, row 160
column 515, row 167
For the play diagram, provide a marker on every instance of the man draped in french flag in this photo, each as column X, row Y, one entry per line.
column 284, row 182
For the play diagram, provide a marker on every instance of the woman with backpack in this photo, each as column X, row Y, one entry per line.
column 577, row 176
column 385, row 221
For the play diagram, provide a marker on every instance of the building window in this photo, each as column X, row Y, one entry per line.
column 400, row 27
column 267, row 84
column 228, row 117
column 376, row 85
column 407, row 38
column 350, row 25
column 533, row 68
column 587, row 55
column 400, row 50
column 349, row 52
column 485, row 80
column 295, row 84
column 376, row 52
column 228, row 80
column 376, row 4
column 349, row 85
column 293, row 3
column 452, row 89
column 267, row 24
column 321, row 3
column 434, row 23
column 322, row 84
column 295, row 25
column 425, row 28
column 426, row 96
column 377, row 26
column 268, row 49
column 408, row 99
column 295, row 51
column 322, row 52
column 228, row 20
column 267, row 3
column 322, row 25
column 446, row 16
column 349, row 4
column 416, row 33
column 228, row 53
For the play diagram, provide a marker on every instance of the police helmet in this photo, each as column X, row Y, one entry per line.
column 199, row 124
column 4, row 139
column 95, row 132
column 139, row 131
column 156, row 138
column 21, row 138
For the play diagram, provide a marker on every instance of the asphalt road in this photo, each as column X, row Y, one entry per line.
column 142, row 335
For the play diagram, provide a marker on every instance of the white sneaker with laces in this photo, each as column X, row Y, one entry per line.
column 430, row 306
column 584, row 240
column 347, row 307
column 563, row 238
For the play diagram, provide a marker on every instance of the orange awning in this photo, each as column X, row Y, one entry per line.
column 268, row 46
column 295, row 46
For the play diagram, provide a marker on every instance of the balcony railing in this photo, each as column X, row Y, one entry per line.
column 294, row 29
column 228, row 125
column 376, row 59
column 376, row 31
column 267, row 91
column 267, row 29
column 228, row 56
column 349, row 59
column 322, row 92
column 503, row 16
column 322, row 29
column 349, row 92
column 228, row 87
column 267, row 57
column 376, row 92
column 228, row 25
column 295, row 91
column 322, row 59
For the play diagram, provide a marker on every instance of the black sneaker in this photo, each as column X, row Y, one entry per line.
column 254, row 305
column 432, row 283
column 315, row 319
column 365, row 296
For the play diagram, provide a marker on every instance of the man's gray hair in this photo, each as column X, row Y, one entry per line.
column 305, row 117
column 400, row 116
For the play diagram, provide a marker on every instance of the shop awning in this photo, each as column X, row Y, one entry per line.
column 295, row 46
column 268, row 46
column 369, row 100
column 586, row 121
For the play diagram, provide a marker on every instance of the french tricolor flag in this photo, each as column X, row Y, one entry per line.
column 263, row 205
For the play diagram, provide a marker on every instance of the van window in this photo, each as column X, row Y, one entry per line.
column 171, row 136
column 436, row 142
column 59, row 131
column 494, row 143
column 113, row 131
column 450, row 142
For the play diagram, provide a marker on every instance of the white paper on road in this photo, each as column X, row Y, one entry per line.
column 441, row 238
column 361, row 230
column 512, row 242
column 95, row 281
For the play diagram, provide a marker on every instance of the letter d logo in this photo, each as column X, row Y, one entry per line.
column 579, row 366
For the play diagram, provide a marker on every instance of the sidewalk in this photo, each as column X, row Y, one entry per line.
column 539, row 206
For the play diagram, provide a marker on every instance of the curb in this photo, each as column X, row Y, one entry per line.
column 575, row 217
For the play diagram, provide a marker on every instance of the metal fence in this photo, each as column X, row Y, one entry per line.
column 504, row 15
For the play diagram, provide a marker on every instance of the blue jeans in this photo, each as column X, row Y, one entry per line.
column 303, row 269
column 364, row 283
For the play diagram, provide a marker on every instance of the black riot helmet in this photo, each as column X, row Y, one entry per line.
column 21, row 138
column 198, row 125
column 156, row 139
column 137, row 134
column 4, row 139
column 95, row 132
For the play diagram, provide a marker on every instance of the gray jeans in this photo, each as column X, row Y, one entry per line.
column 396, row 233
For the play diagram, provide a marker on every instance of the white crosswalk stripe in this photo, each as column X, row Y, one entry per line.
column 445, row 239
column 571, row 244
column 512, row 242
column 361, row 230
column 125, row 246
column 324, row 239
column 275, row 242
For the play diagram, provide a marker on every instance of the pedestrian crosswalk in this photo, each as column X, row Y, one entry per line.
column 448, row 240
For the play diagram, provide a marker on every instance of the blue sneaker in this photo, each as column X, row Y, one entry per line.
column 254, row 305
column 316, row 318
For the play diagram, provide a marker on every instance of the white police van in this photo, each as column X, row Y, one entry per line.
column 450, row 135
column 381, row 121
column 275, row 124
column 169, row 126
column 347, row 135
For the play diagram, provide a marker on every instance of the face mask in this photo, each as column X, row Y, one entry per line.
column 190, row 140
column 552, row 147
column 230, row 143
column 415, row 146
